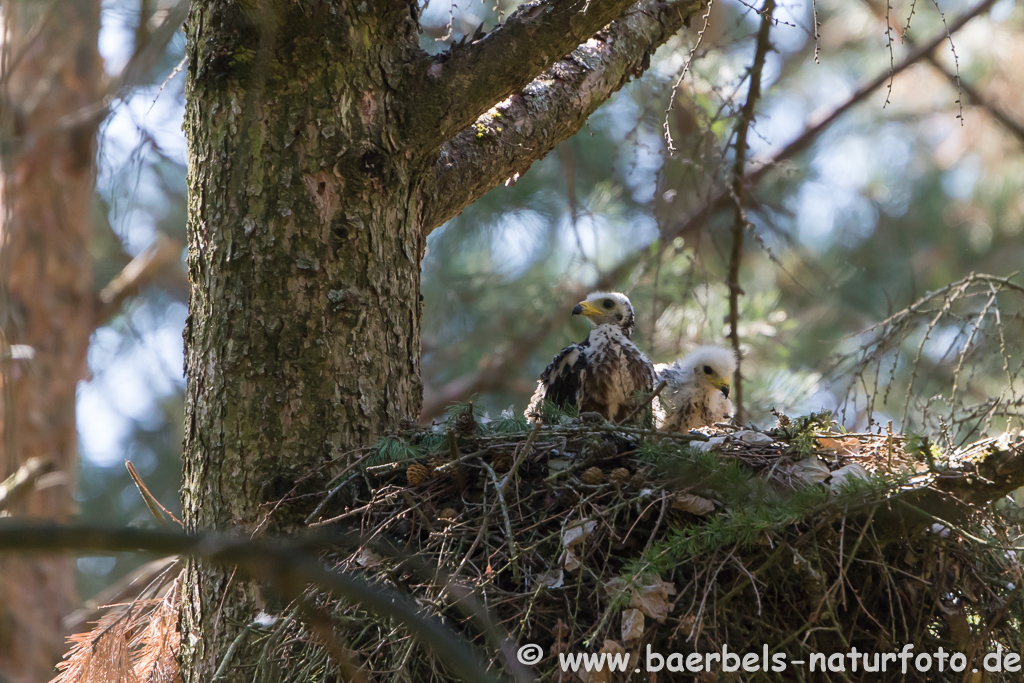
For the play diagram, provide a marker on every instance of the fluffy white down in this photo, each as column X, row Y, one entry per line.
column 689, row 399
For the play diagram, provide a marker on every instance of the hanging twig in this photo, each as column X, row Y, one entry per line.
column 682, row 74
column 743, row 124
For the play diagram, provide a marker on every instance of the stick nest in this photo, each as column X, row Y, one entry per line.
column 583, row 536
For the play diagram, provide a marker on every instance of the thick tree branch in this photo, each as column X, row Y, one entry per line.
column 526, row 126
column 457, row 86
column 988, row 471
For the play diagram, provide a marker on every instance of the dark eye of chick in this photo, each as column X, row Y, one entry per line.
column 608, row 303
column 707, row 369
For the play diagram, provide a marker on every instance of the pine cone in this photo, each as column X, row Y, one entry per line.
column 464, row 423
column 638, row 480
column 417, row 474
column 448, row 514
column 620, row 475
column 503, row 462
column 592, row 476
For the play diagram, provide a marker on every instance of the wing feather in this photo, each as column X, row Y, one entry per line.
column 561, row 381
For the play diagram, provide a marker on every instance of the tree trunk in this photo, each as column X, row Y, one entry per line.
column 304, row 259
column 52, row 76
column 320, row 138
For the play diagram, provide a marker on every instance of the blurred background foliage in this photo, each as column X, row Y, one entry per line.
column 890, row 201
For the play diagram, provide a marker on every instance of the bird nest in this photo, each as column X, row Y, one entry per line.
column 801, row 542
column 805, row 547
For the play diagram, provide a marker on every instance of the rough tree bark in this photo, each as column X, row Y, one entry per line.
column 324, row 145
column 52, row 76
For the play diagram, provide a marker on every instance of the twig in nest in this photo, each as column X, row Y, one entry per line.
column 484, row 523
column 513, row 553
column 457, row 472
column 519, row 460
column 320, row 623
column 342, row 516
column 334, row 491
column 643, row 406
column 657, row 525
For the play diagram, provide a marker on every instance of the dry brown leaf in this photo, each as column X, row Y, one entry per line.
column 560, row 631
column 614, row 587
column 605, row 675
column 686, row 624
column 842, row 446
column 695, row 505
column 847, row 473
column 811, row 470
column 632, row 626
column 552, row 579
column 367, row 558
column 572, row 535
column 558, row 465
column 569, row 560
column 752, row 438
column 578, row 532
column 707, row 446
column 959, row 628
column 653, row 599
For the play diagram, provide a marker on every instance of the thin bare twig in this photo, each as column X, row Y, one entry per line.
column 650, row 399
column 892, row 59
column 682, row 74
column 743, row 124
column 956, row 61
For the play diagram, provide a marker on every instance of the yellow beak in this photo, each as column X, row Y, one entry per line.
column 722, row 384
column 586, row 308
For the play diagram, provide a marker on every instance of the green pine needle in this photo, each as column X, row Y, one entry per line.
column 509, row 423
column 394, row 449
